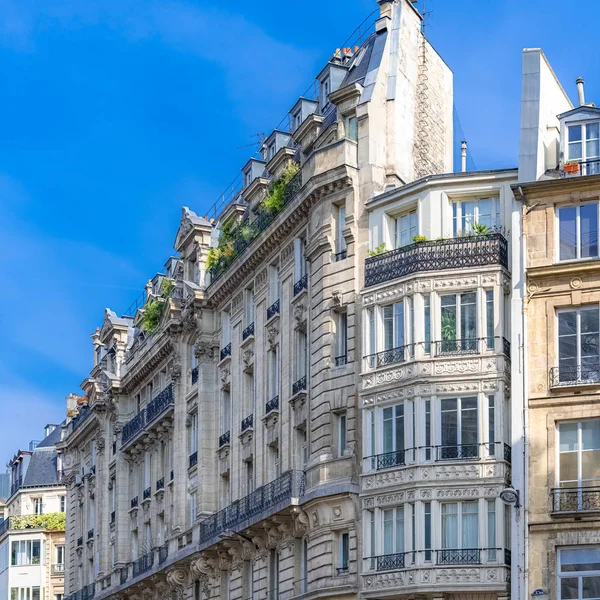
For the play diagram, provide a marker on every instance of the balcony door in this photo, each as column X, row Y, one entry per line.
column 460, row 533
column 459, row 323
column 393, row 531
column 578, row 345
column 407, row 227
column 459, row 428
column 393, row 437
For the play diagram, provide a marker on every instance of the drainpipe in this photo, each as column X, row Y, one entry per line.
column 580, row 93
column 463, row 157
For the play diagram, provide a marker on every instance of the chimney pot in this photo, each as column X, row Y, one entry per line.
column 463, row 156
column 580, row 92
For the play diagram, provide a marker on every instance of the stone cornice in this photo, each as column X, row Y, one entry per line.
column 570, row 268
column 146, row 366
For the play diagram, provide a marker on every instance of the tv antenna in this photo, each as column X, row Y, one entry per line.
column 261, row 138
column 425, row 14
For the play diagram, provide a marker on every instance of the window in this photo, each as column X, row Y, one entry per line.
column 578, row 231
column 393, row 431
column 225, row 585
column 271, row 151
column 193, row 434
column 491, row 426
column 340, row 225
column 491, row 529
column 297, row 120
column 193, row 503
column 427, row 323
column 247, row 579
column 467, row 214
column 304, row 567
column 301, row 354
column 578, row 351
column 225, row 411
column 393, row 531
column 428, row 426
column 406, row 228
column 489, row 318
column 344, row 552
column 25, row 552
column 459, row 525
column 274, row 575
column 459, row 318
column 579, row 573
column 351, row 129
column 248, row 393
column 579, row 454
column 273, row 461
column 247, row 179
column 459, row 428
column 225, row 328
column 299, row 259
column 427, row 512
column 393, row 326
column 63, row 503
column 249, row 306
column 273, row 284
column 249, row 464
column 325, row 87
column 589, row 151
column 60, row 555
column 273, row 373
column 370, row 333
column 342, row 427
column 341, row 340
column 38, row 506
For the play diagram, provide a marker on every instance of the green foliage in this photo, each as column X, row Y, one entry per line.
column 166, row 287
column 448, row 327
column 273, row 202
column 419, row 238
column 153, row 311
column 480, row 229
column 50, row 522
column 378, row 250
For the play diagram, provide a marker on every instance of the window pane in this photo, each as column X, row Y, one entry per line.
column 569, row 588
column 449, row 424
column 568, row 437
column 388, row 432
column 388, row 327
column 470, row 537
column 468, row 317
column 448, row 322
column 574, row 133
column 580, row 559
column 399, row 530
column 588, row 226
column 398, row 324
column 449, row 525
column 399, row 428
column 568, row 467
column 567, row 323
column 388, row 531
column 590, row 587
column 568, row 233
column 590, row 467
column 590, row 435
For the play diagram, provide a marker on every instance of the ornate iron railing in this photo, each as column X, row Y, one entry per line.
column 249, row 331
column 460, row 556
column 225, row 439
column 578, row 499
column 226, row 351
column 582, row 168
column 506, row 347
column 507, row 556
column 340, row 256
column 147, row 493
column 257, row 226
column 247, row 423
column 341, row 360
column 148, row 415
column 301, row 284
column 193, row 460
column 458, row 451
column 113, row 516
column 388, row 357
column 135, row 502
column 458, row 346
column 163, row 553
column 456, row 253
column 160, row 484
column 273, row 310
column 195, row 375
column 143, row 564
column 58, row 569
column 507, row 453
column 397, row 458
column 272, row 404
column 283, row 489
column 565, row 376
column 388, row 562
column 90, row 534
column 85, row 411
column 299, row 385
column 80, row 542
column 5, row 526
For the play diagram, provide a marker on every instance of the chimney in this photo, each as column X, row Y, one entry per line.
column 580, row 94
column 463, row 157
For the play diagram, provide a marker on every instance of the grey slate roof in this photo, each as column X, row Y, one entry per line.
column 358, row 72
column 51, row 440
column 42, row 468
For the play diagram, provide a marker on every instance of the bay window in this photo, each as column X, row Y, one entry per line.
column 393, row 437
column 393, row 530
column 469, row 213
column 25, row 552
column 578, row 231
column 460, row 533
column 459, row 428
column 583, row 145
column 578, row 349
column 406, row 228
column 459, row 323
column 579, row 573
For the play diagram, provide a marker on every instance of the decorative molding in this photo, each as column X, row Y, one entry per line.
column 287, row 254
column 261, row 280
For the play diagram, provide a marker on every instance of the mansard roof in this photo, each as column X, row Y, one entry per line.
column 189, row 219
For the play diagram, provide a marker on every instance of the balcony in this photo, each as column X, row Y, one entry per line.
column 147, row 493
column 163, row 553
column 388, row 459
column 225, row 439
column 271, row 405
column 57, row 570
column 340, row 361
column 248, row 332
column 299, row 386
column 397, row 355
column 193, row 460
column 258, row 505
column 462, row 556
column 300, row 285
column 147, row 416
column 90, row 534
column 195, row 375
column 143, row 564
column 160, row 484
column 575, row 500
column 225, row 352
column 135, row 502
column 273, row 310
column 456, row 253
column 581, row 168
column 340, row 256
column 571, row 376
column 247, row 423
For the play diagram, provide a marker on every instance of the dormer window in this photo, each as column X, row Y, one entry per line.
column 325, row 89
column 247, row 179
column 583, row 146
column 271, row 151
column 297, row 120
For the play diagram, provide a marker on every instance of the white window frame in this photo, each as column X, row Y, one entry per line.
column 459, row 531
column 582, row 142
column 580, row 483
column 457, row 214
column 395, row 510
column 579, row 575
column 578, row 256
column 413, row 228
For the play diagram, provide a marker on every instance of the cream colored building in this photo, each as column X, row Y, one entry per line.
column 561, row 343
column 32, row 536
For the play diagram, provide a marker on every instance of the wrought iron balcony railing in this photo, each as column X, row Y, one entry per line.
column 160, row 484
column 148, row 415
column 301, row 284
column 272, row 404
column 58, row 569
column 147, row 493
column 16, row 485
column 225, row 439
column 143, row 564
column 455, row 253
column 459, row 556
column 248, row 332
column 389, row 562
column 576, row 499
column 266, row 498
column 80, row 542
column 163, row 553
column 247, row 423
column 341, row 360
column 457, row 346
column 299, row 385
column 5, row 526
column 507, row 453
column 457, row 451
column 340, row 256
column 581, row 168
column 397, row 458
column 388, row 357
column 135, row 502
column 568, row 375
column 90, row 534
column 195, row 375
column 83, row 415
column 273, row 310
column 226, row 351
column 113, row 516
column 193, row 460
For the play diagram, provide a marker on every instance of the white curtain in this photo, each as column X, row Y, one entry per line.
column 449, row 525
column 470, row 537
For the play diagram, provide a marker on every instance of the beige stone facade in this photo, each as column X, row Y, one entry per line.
column 563, row 401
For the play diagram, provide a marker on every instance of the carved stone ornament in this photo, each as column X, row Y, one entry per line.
column 191, row 319
column 337, row 298
column 176, row 369
column 299, row 311
column 205, row 351
column 272, row 334
column 248, row 357
column 177, row 580
column 100, row 444
column 161, row 590
column 224, row 374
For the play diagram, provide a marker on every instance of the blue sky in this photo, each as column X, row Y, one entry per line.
column 115, row 113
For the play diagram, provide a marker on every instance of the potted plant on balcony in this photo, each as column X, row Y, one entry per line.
column 419, row 238
column 571, row 167
column 378, row 250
